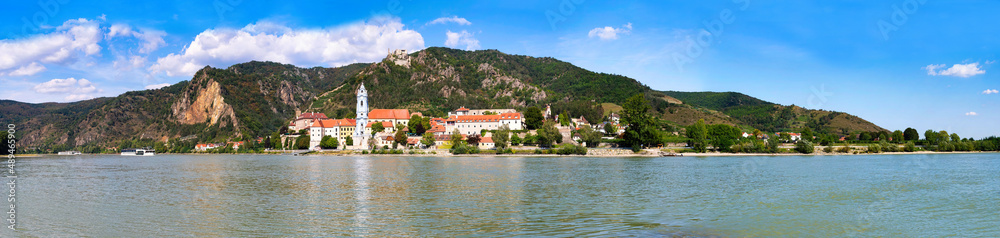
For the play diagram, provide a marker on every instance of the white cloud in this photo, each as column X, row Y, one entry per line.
column 971, row 114
column 610, row 33
column 70, row 41
column 957, row 70
column 359, row 42
column 151, row 39
column 991, row 91
column 157, row 86
column 457, row 39
column 27, row 70
column 454, row 19
column 77, row 89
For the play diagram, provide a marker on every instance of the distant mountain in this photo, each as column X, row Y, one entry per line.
column 257, row 98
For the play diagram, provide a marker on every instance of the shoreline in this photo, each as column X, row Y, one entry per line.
column 649, row 153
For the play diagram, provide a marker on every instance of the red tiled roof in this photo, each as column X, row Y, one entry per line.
column 510, row 116
column 311, row 115
column 476, row 118
column 436, row 128
column 412, row 141
column 398, row 114
column 486, row 140
column 384, row 124
column 331, row 123
column 462, row 109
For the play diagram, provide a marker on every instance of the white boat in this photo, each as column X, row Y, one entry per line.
column 72, row 152
column 138, row 152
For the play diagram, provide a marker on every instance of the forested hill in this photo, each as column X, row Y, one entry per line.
column 255, row 99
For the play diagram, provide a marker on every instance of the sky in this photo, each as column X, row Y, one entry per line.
column 900, row 63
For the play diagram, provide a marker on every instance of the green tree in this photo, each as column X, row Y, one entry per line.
column 275, row 141
column 302, row 142
column 533, row 118
column 865, row 136
column 610, row 128
column 641, row 129
column 698, row 134
column 501, row 137
column 418, row 125
column 784, row 136
column 564, row 119
column 377, row 127
column 400, row 137
column 911, row 134
column 548, row 134
column 5, row 150
column 897, row 136
column 328, row 142
column 349, row 141
column 955, row 138
column 515, row 139
column 931, row 136
column 474, row 139
column 807, row 134
column 428, row 139
column 943, row 136
column 772, row 144
column 456, row 137
column 589, row 136
column 804, row 146
column 723, row 136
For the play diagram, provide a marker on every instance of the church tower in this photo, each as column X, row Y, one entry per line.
column 361, row 119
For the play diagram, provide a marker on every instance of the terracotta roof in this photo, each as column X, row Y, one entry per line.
column 412, row 141
column 384, row 124
column 311, row 115
column 462, row 109
column 436, row 128
column 477, row 118
column 510, row 116
column 398, row 114
column 331, row 123
column 486, row 140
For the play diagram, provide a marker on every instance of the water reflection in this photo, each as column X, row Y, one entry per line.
column 227, row 195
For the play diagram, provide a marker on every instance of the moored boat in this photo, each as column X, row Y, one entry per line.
column 138, row 152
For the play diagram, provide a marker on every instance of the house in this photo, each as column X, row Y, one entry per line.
column 389, row 128
column 468, row 125
column 486, row 143
column 339, row 128
column 479, row 112
column 235, row 145
column 792, row 136
column 393, row 116
column 579, row 121
column 204, row 147
column 745, row 135
column 614, row 117
column 305, row 120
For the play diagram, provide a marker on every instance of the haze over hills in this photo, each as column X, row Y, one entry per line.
column 257, row 98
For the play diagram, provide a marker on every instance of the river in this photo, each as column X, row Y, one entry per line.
column 273, row 195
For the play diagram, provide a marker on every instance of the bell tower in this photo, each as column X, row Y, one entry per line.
column 361, row 118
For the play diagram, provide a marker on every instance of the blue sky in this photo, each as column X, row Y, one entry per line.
column 906, row 63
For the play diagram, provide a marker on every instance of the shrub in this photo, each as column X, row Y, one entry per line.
column 828, row 149
column 874, row 148
column 845, row 149
column 572, row 149
column 804, row 147
column 909, row 147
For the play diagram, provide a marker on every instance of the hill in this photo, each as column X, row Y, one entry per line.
column 256, row 99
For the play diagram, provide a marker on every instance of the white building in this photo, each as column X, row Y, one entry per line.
column 361, row 119
column 479, row 112
column 469, row 125
column 340, row 129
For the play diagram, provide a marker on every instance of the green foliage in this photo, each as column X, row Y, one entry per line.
column 699, row 135
column 549, row 135
column 897, row 136
column 400, row 137
column 772, row 145
column 723, row 136
column 807, row 134
column 328, row 142
column 804, row 146
column 610, row 129
column 533, row 118
column 428, row 140
column 456, row 137
column 463, row 148
column 377, row 127
column 502, row 137
column 569, row 149
column 418, row 125
column 515, row 139
column 349, row 141
column 911, row 134
column 589, row 136
column 641, row 129
column 302, row 142
column 564, row 119
column 473, row 139
column 909, row 147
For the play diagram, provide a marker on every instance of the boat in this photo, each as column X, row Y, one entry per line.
column 71, row 152
column 138, row 152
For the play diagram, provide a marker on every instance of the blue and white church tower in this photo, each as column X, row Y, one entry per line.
column 361, row 119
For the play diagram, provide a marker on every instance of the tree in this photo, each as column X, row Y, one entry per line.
column 943, row 136
column 501, row 137
column 515, row 140
column 784, row 136
column 275, row 141
column 377, row 127
column 865, row 136
column 564, row 119
column 302, row 142
column 328, row 142
column 418, row 125
column 400, row 136
column 456, row 137
column 931, row 136
column 807, row 134
column 723, row 136
column 882, row 136
column 474, row 139
column 589, row 136
column 955, row 138
column 533, row 118
column 548, row 134
column 911, row 134
column 610, row 128
column 640, row 128
column 897, row 136
column 698, row 134
column 804, row 146
column 772, row 145
column 428, row 139
column 349, row 141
